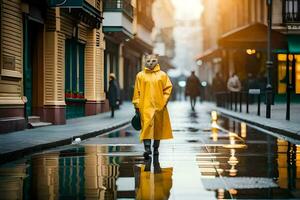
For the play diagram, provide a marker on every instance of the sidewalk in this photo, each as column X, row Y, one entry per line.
column 277, row 123
column 278, row 111
column 17, row 144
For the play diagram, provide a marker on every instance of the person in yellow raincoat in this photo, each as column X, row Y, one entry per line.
column 152, row 91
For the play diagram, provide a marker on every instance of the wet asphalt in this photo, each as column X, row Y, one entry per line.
column 209, row 158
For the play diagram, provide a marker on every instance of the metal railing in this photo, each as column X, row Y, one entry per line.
column 291, row 11
column 121, row 5
column 235, row 100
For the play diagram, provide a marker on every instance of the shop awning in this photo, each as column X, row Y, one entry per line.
column 253, row 36
column 209, row 54
column 82, row 9
column 294, row 44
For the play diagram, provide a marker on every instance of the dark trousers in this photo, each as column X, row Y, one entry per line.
column 112, row 111
column 147, row 143
column 193, row 102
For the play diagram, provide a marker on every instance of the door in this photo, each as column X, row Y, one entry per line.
column 33, row 65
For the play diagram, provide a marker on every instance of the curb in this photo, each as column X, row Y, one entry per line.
column 15, row 155
column 281, row 131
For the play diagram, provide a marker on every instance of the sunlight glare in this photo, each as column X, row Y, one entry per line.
column 188, row 10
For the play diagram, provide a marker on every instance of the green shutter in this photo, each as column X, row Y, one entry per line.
column 81, row 67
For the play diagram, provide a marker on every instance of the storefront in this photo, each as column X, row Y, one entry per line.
column 288, row 70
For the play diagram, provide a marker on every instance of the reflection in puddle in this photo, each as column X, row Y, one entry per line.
column 250, row 164
column 219, row 158
column 154, row 184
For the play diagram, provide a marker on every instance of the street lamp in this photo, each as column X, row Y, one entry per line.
column 269, row 63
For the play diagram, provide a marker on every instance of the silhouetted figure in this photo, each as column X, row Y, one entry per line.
column 218, row 85
column 193, row 89
column 113, row 94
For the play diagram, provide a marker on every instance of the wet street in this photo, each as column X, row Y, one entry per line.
column 208, row 158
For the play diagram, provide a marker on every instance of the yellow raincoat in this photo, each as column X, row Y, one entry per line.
column 151, row 94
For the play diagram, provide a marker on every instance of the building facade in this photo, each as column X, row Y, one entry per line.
column 235, row 41
column 52, row 58
column 127, row 37
column 138, row 46
column 118, row 28
column 163, row 42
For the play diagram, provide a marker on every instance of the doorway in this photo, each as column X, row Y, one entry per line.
column 33, row 66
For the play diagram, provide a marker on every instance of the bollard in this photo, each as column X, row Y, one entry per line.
column 258, row 104
column 241, row 98
column 235, row 101
column 247, row 103
column 230, row 100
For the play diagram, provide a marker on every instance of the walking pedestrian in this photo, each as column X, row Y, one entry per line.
column 192, row 89
column 113, row 94
column 152, row 91
column 218, row 86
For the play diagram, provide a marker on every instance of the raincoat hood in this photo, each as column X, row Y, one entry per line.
column 155, row 69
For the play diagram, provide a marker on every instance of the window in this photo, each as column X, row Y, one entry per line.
column 74, row 60
column 294, row 78
column 98, row 39
column 291, row 11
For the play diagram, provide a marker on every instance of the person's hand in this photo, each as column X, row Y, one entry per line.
column 117, row 102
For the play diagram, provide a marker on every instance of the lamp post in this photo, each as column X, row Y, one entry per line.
column 269, row 63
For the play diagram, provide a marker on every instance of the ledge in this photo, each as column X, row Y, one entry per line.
column 11, row 73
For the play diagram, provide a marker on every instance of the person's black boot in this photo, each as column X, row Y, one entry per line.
column 156, row 165
column 155, row 147
column 147, row 146
column 148, row 165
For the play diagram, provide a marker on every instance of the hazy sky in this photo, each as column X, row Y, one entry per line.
column 187, row 9
column 188, row 37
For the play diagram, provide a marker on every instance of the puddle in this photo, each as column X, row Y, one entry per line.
column 230, row 160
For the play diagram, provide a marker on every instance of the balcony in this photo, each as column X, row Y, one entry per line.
column 84, row 10
column 118, row 18
column 123, row 6
column 291, row 11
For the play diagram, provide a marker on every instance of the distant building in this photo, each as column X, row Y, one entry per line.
column 235, row 40
column 118, row 28
column 164, row 44
column 141, row 43
column 127, row 26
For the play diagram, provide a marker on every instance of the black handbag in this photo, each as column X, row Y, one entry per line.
column 136, row 121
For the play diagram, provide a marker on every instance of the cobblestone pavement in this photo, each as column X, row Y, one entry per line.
column 207, row 159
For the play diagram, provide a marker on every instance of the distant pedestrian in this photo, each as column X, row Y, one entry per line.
column 192, row 89
column 113, row 94
column 234, row 83
column 218, row 86
column 152, row 91
column 218, row 83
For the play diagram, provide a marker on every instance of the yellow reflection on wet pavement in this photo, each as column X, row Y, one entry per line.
column 153, row 186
